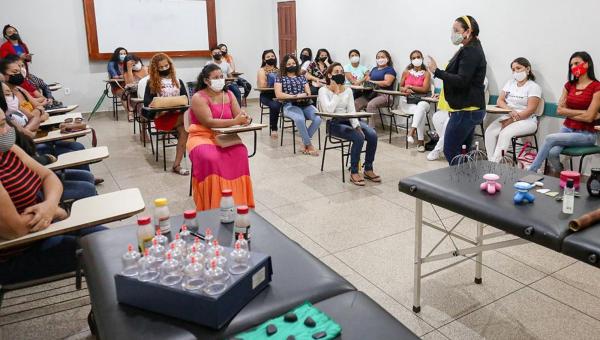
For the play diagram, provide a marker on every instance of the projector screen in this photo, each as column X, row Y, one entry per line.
column 181, row 28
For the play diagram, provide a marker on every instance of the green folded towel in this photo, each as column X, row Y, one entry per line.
column 297, row 329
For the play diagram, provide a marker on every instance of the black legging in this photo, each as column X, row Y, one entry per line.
column 274, row 108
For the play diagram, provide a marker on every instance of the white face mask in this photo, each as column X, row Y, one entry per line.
column 456, row 38
column 217, row 85
column 355, row 59
column 417, row 62
column 137, row 66
column 520, row 76
column 382, row 61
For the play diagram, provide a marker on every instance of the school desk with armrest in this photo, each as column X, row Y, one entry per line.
column 77, row 158
column 57, row 119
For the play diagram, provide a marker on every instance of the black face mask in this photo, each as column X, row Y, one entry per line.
column 217, row 56
column 164, row 73
column 270, row 62
column 304, row 57
column 16, row 79
column 224, row 52
column 323, row 59
column 339, row 78
column 291, row 69
column 14, row 36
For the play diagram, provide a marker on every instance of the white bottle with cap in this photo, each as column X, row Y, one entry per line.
column 241, row 225
column 227, row 206
column 162, row 215
column 568, row 197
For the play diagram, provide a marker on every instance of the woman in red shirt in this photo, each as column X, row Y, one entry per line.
column 14, row 45
column 580, row 104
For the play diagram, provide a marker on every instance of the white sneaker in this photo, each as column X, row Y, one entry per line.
column 421, row 148
column 433, row 155
column 410, row 139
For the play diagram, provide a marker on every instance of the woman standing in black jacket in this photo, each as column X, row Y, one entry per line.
column 463, row 86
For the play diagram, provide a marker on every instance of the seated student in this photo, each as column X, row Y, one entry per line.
column 14, row 45
column 383, row 76
column 239, row 81
column 30, row 203
column 315, row 73
column 267, row 74
column 13, row 69
column 580, row 105
column 356, row 74
column 521, row 95
column 163, row 82
column 291, row 84
column 335, row 97
column 305, row 59
column 217, row 59
column 440, row 122
column 133, row 71
column 415, row 81
column 28, row 121
column 217, row 167
column 115, row 64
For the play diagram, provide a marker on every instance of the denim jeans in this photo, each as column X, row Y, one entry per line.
column 274, row 108
column 343, row 129
column 51, row 256
column 236, row 92
column 556, row 142
column 77, row 184
column 300, row 114
column 459, row 132
column 59, row 147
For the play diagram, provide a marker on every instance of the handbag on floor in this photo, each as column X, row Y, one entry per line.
column 526, row 156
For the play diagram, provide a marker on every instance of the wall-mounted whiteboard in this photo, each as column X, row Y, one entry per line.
column 178, row 27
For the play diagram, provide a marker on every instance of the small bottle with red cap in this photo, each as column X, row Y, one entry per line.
column 145, row 233
column 241, row 225
column 189, row 219
column 227, row 206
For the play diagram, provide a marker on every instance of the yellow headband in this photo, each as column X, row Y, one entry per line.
column 466, row 19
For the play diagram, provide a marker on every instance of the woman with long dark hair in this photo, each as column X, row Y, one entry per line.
column 579, row 104
column 116, row 63
column 267, row 74
column 14, row 45
column 217, row 166
column 463, row 86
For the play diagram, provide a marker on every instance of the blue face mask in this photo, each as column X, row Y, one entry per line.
column 122, row 57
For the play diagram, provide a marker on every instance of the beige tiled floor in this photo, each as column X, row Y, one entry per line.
column 365, row 234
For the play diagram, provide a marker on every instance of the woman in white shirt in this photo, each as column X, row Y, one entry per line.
column 335, row 97
column 521, row 95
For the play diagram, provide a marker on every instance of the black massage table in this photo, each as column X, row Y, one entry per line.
column 457, row 189
column 297, row 277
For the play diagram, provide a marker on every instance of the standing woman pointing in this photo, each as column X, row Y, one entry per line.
column 463, row 86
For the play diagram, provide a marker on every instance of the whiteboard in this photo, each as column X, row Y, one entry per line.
column 151, row 25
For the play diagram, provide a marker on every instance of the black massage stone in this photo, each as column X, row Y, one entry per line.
column 319, row 335
column 291, row 337
column 271, row 329
column 309, row 322
column 290, row 317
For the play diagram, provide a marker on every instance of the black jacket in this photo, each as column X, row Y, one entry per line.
column 464, row 77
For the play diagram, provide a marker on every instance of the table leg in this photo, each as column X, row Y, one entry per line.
column 418, row 246
column 254, row 150
column 479, row 258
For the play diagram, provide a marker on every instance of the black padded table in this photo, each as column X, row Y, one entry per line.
column 297, row 277
column 457, row 189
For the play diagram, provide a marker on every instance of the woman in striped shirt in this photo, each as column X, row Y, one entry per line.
column 30, row 196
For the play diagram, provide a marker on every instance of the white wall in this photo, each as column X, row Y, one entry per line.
column 55, row 33
column 546, row 32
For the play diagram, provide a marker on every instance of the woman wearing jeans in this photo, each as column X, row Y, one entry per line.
column 267, row 73
column 463, row 86
column 579, row 103
column 335, row 97
column 290, row 84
